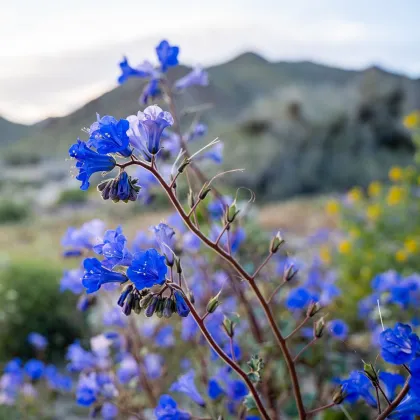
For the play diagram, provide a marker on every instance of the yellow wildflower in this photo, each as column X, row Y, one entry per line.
column 411, row 246
column 373, row 212
column 395, row 195
column 355, row 194
column 401, row 256
column 332, row 207
column 412, row 120
column 396, row 174
column 374, row 188
column 344, row 247
column 325, row 254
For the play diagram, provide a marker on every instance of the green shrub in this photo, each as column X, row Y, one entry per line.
column 12, row 211
column 30, row 300
column 73, row 196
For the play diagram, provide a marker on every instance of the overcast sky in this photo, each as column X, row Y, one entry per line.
column 57, row 54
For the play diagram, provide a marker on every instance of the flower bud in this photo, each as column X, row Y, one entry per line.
column 145, row 301
column 370, row 372
column 276, row 243
column 231, row 212
column 213, row 303
column 319, row 327
column 229, row 327
column 169, row 308
column 127, row 307
column 150, row 310
column 178, row 265
column 339, row 395
column 289, row 273
column 204, row 191
column 136, row 304
column 126, row 291
column 181, row 306
column 313, row 308
column 104, row 188
column 160, row 306
column 183, row 165
column 191, row 297
column 191, row 199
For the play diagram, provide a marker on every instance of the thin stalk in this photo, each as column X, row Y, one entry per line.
column 383, row 394
column 378, row 399
column 263, row 264
column 297, row 329
column 320, row 409
column 396, row 401
column 304, row 349
column 274, row 292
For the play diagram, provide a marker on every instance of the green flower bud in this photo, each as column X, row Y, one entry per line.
column 183, row 165
column 319, row 327
column 191, row 199
column 289, row 273
column 229, row 327
column 370, row 372
column 190, row 296
column 204, row 191
column 313, row 308
column 213, row 303
column 136, row 304
column 160, row 306
column 276, row 243
column 339, row 395
column 231, row 212
column 145, row 301
column 178, row 265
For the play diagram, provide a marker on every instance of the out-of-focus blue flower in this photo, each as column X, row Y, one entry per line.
column 237, row 236
column 37, row 340
column 399, row 345
column 407, row 408
column 147, row 269
column 87, row 390
column 153, row 364
column 176, row 222
column 196, row 77
column 57, row 381
column 146, row 129
column 128, row 369
column 79, row 358
column 72, row 281
column 34, row 369
column 415, row 377
column 85, row 237
column 358, row 386
column 384, row 281
column 108, row 135
column 167, row 55
column 109, row 411
column 237, row 390
column 185, row 384
column 338, row 328
column 144, row 70
column 182, row 308
column 218, row 206
column 215, row 390
column 191, row 242
column 299, row 298
column 114, row 318
column 143, row 241
column 214, row 153
column 96, row 275
column 89, row 162
column 198, row 131
column 150, row 92
column 165, row 336
column 391, row 382
column 114, row 249
column 164, row 235
column 189, row 328
column 167, row 409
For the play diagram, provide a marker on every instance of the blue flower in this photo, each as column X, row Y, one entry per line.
column 150, row 92
column 72, row 281
column 391, row 381
column 299, row 298
column 339, row 329
column 215, row 153
column 399, row 345
column 167, row 409
column 415, row 376
column 146, row 129
column 114, row 249
column 147, row 269
column 83, row 238
column 182, row 308
column 165, row 337
column 167, row 55
column 128, row 369
column 164, row 235
column 153, row 365
column 109, row 411
column 79, row 358
column 108, row 135
column 409, row 406
column 214, row 390
column 34, row 369
column 14, row 366
column 198, row 131
column 96, row 275
column 87, row 390
column 114, row 318
column 237, row 236
column 218, row 206
column 197, row 77
column 186, row 385
column 358, row 386
column 144, row 70
column 37, row 340
column 89, row 162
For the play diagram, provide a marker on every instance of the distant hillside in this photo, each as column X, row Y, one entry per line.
column 298, row 127
column 10, row 131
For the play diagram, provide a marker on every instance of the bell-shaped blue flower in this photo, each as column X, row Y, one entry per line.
column 338, row 329
column 186, row 385
column 164, row 235
column 299, row 298
column 96, row 275
column 89, row 162
column 197, row 77
column 147, row 269
column 72, row 281
column 34, row 369
column 110, row 136
column 182, row 308
column 87, row 390
column 215, row 390
column 358, row 386
column 399, row 345
column 167, row 409
column 167, row 55
column 146, row 129
column 144, row 70
column 391, row 382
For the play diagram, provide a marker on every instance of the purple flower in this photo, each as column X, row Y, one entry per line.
column 147, row 269
column 150, row 92
column 197, row 76
column 72, row 280
column 399, row 345
column 34, row 369
column 218, row 206
column 114, row 318
column 114, row 249
column 109, row 411
column 108, row 135
column 89, row 162
column 96, row 275
column 79, row 358
column 37, row 340
column 167, row 55
column 57, row 381
column 338, row 328
column 198, row 131
column 186, row 385
column 146, row 129
column 237, row 236
column 167, row 409
column 164, row 235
